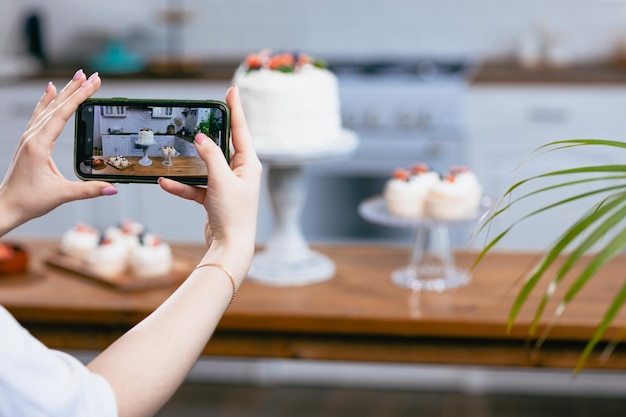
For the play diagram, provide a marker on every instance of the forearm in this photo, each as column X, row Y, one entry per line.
column 147, row 364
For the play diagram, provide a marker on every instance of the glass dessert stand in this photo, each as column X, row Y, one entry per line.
column 431, row 264
column 167, row 158
column 287, row 259
column 145, row 161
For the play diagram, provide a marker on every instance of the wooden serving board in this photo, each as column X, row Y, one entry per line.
column 120, row 167
column 181, row 268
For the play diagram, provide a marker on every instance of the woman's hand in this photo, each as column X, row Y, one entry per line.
column 33, row 185
column 232, row 194
column 161, row 349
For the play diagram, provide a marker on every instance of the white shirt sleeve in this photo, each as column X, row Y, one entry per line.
column 38, row 381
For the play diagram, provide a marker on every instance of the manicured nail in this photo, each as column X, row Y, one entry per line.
column 49, row 86
column 77, row 75
column 109, row 191
column 90, row 79
column 200, row 139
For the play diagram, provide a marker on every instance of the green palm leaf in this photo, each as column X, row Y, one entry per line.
column 586, row 234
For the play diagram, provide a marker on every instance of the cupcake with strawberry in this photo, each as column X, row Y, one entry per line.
column 405, row 193
column 151, row 258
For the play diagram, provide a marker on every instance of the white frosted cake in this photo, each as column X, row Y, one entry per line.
column 419, row 193
column 151, row 258
column 291, row 103
column 405, row 193
column 79, row 241
column 145, row 137
column 456, row 197
column 126, row 248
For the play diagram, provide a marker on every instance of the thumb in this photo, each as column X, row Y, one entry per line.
column 211, row 154
column 89, row 189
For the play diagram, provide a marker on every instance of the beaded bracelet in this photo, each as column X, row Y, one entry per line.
column 230, row 277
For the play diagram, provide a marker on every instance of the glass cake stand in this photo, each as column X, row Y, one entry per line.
column 287, row 259
column 167, row 159
column 431, row 264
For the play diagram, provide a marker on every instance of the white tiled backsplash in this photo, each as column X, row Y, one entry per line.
column 229, row 29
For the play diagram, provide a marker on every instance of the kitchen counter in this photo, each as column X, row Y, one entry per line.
column 510, row 73
column 359, row 315
column 187, row 166
column 487, row 73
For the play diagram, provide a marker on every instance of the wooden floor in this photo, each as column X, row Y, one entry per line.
column 201, row 399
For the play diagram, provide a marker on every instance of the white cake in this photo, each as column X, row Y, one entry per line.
column 456, row 197
column 126, row 248
column 419, row 193
column 151, row 258
column 79, row 241
column 145, row 137
column 406, row 192
column 109, row 258
column 291, row 103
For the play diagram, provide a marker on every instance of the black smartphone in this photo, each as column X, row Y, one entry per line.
column 139, row 140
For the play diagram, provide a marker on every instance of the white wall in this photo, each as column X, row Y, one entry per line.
column 232, row 28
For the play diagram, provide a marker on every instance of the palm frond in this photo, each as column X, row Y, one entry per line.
column 588, row 233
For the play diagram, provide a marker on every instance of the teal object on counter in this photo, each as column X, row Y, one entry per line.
column 117, row 59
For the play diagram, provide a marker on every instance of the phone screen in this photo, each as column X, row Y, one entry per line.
column 123, row 140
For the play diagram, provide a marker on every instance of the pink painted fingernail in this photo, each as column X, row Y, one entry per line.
column 49, row 86
column 77, row 74
column 90, row 79
column 109, row 191
column 200, row 139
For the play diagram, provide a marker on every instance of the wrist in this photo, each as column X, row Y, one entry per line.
column 234, row 257
column 10, row 218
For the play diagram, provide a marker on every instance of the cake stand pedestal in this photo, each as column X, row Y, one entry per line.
column 145, row 161
column 431, row 264
column 287, row 259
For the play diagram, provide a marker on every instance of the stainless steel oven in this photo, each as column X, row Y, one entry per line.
column 403, row 113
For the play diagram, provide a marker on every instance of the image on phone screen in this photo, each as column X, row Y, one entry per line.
column 142, row 140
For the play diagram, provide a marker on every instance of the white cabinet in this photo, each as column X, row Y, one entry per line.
column 114, row 111
column 116, row 145
column 506, row 123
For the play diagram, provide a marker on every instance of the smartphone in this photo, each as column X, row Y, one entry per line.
column 139, row 140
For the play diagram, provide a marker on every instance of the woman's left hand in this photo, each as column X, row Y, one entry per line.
column 33, row 185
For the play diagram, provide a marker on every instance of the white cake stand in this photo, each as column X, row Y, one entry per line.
column 431, row 264
column 287, row 259
column 145, row 161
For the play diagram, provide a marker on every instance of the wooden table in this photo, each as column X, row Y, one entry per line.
column 188, row 166
column 359, row 315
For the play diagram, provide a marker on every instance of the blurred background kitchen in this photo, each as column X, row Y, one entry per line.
column 445, row 82
column 478, row 83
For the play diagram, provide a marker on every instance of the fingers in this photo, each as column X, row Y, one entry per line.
column 52, row 101
column 79, row 190
column 242, row 141
column 46, row 99
column 185, row 191
column 54, row 119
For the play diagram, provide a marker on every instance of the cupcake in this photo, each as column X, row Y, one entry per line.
column 79, row 241
column 151, row 258
column 405, row 193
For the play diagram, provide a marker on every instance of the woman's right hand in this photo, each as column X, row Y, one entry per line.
column 231, row 196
